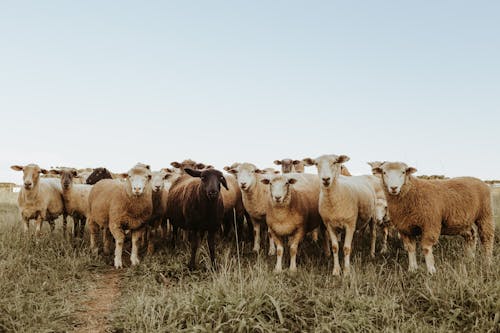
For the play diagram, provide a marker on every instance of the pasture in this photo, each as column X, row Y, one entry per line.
column 55, row 284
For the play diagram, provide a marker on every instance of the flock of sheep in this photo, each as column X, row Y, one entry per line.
column 288, row 205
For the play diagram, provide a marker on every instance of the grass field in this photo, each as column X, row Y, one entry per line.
column 50, row 286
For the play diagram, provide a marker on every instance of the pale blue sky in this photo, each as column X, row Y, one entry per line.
column 94, row 83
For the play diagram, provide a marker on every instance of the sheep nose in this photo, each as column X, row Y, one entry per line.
column 213, row 193
column 326, row 180
column 27, row 183
column 243, row 184
column 394, row 188
column 157, row 188
column 277, row 198
column 137, row 189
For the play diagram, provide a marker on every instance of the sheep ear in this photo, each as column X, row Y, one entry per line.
column 226, row 168
column 259, row 171
column 233, row 171
column 342, row 159
column 265, row 181
column 17, row 168
column 55, row 172
column 192, row 172
column 176, row 165
column 74, row 173
column 276, row 172
column 308, row 161
column 223, row 182
column 209, row 166
column 123, row 175
column 410, row 170
column 292, row 181
column 277, row 162
column 44, row 171
column 377, row 170
column 296, row 162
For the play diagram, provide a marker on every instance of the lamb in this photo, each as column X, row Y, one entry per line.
column 117, row 206
column 39, row 199
column 159, row 197
column 292, row 210
column 431, row 208
column 76, row 198
column 344, row 203
column 254, row 195
column 195, row 203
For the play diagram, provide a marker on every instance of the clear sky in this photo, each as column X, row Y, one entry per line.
column 111, row 83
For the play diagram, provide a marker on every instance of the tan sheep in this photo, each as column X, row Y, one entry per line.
column 254, row 196
column 39, row 199
column 120, row 206
column 76, row 198
column 292, row 211
column 344, row 203
column 431, row 208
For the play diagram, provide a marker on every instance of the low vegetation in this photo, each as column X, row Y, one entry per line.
column 46, row 283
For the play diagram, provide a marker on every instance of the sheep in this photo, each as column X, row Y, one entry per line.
column 292, row 210
column 117, row 206
column 288, row 165
column 344, row 203
column 97, row 175
column 76, row 198
column 159, row 197
column 39, row 199
column 254, row 195
column 195, row 203
column 431, row 208
column 188, row 164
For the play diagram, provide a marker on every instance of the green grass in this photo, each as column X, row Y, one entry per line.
column 44, row 283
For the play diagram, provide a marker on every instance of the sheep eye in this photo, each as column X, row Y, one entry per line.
column 385, row 173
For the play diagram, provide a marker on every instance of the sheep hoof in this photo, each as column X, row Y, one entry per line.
column 271, row 252
column 372, row 255
column 431, row 270
column 118, row 263
column 134, row 261
column 277, row 270
column 383, row 250
column 336, row 271
column 293, row 271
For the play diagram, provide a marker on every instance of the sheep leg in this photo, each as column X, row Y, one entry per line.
column 38, row 225
column 211, row 247
column 76, row 226
column 428, row 240
column 279, row 253
column 65, row 224
column 52, row 225
column 373, row 240
column 326, row 242
column 195, row 241
column 384, row 240
column 119, row 236
column 349, row 234
column 294, row 246
column 410, row 246
column 94, row 230
column 106, row 240
column 26, row 225
column 315, row 234
column 486, row 231
column 335, row 248
column 151, row 244
column 173, row 237
column 83, row 221
column 272, row 247
column 470, row 243
column 134, row 256
column 256, row 238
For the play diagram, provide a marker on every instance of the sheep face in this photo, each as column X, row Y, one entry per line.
column 287, row 164
column 138, row 180
column 158, row 180
column 246, row 173
column 394, row 175
column 381, row 210
column 329, row 167
column 188, row 164
column 211, row 180
column 270, row 171
column 67, row 175
column 280, row 189
column 31, row 174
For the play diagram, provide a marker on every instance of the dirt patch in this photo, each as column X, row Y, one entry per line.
column 96, row 310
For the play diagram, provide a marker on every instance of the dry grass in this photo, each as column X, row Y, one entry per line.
column 45, row 284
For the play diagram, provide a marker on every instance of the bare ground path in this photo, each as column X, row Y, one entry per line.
column 99, row 302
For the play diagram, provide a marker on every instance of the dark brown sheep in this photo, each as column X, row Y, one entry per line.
column 195, row 204
column 97, row 175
